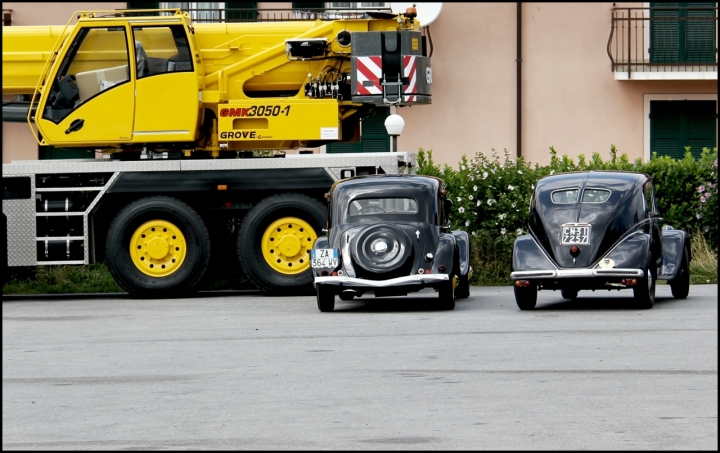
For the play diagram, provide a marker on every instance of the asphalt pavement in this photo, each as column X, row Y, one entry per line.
column 243, row 371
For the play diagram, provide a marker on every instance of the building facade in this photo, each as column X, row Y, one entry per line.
column 520, row 77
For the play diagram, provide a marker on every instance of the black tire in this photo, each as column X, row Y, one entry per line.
column 569, row 294
column 325, row 298
column 186, row 277
column 526, row 296
column 446, row 296
column 462, row 291
column 250, row 248
column 644, row 291
column 680, row 285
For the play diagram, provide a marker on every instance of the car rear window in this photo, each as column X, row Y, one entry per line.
column 595, row 195
column 374, row 206
column 565, row 196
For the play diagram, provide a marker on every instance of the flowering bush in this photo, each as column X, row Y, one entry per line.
column 491, row 197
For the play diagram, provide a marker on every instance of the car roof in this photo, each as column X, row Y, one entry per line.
column 400, row 182
column 592, row 178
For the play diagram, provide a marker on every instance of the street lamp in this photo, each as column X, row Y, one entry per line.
column 394, row 125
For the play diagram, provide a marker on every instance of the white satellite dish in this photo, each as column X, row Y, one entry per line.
column 426, row 12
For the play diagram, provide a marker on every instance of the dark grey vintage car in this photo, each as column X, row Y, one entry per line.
column 598, row 230
column 389, row 235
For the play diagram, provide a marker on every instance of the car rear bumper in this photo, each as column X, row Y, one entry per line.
column 576, row 273
column 350, row 282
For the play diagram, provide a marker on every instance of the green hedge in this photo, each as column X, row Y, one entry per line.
column 491, row 197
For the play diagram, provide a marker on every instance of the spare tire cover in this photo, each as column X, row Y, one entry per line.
column 381, row 248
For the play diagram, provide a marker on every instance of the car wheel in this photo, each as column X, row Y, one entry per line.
column 644, row 291
column 325, row 298
column 274, row 243
column 569, row 294
column 463, row 287
column 526, row 296
column 158, row 247
column 446, row 296
column 680, row 285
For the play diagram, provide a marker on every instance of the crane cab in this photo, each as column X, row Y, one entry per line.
column 119, row 81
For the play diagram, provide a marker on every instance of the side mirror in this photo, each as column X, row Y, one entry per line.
column 448, row 204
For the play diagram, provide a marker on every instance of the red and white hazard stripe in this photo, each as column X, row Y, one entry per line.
column 410, row 71
column 369, row 69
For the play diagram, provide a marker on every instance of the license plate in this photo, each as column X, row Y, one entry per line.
column 324, row 257
column 576, row 234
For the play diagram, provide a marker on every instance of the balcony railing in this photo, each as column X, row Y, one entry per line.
column 223, row 15
column 664, row 43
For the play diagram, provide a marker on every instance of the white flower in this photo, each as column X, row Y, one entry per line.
column 474, row 234
column 462, row 167
column 485, row 174
column 459, row 199
column 513, row 205
column 474, row 188
column 502, row 231
column 533, row 186
column 520, row 172
column 502, row 216
column 472, row 178
column 552, row 172
column 461, row 209
column 510, row 187
column 479, row 202
column 519, row 231
column 467, row 223
column 470, row 197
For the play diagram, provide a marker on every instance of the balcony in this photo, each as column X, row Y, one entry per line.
column 664, row 43
column 229, row 15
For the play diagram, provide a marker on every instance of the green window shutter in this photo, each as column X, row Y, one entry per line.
column 238, row 11
column 700, row 34
column 374, row 137
column 665, row 33
column 51, row 152
column 308, row 6
column 676, row 124
column 682, row 35
column 144, row 5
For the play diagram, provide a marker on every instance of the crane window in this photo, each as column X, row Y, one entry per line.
column 161, row 50
column 96, row 61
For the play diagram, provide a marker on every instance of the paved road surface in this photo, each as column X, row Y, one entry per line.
column 242, row 371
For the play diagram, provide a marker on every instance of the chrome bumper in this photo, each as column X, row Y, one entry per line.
column 350, row 282
column 577, row 273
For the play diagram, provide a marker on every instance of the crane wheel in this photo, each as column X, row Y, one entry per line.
column 275, row 240
column 158, row 247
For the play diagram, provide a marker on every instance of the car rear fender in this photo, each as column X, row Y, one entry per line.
column 463, row 242
column 630, row 253
column 445, row 254
column 528, row 256
column 674, row 242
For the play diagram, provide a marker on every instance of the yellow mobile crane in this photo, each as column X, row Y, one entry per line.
column 176, row 108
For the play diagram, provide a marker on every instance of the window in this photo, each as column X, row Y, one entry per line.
column 370, row 206
column 595, row 195
column 373, row 136
column 677, row 124
column 685, row 34
column 160, row 50
column 565, row 196
column 216, row 11
column 649, row 197
column 356, row 5
column 97, row 61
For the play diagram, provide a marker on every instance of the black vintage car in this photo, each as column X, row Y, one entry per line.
column 389, row 235
column 598, row 230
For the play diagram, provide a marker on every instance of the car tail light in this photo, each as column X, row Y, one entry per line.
column 574, row 250
column 324, row 273
column 629, row 281
column 334, row 273
column 522, row 283
column 427, row 271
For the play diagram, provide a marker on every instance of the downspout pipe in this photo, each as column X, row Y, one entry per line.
column 518, row 95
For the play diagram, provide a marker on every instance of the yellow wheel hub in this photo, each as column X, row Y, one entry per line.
column 286, row 245
column 158, row 248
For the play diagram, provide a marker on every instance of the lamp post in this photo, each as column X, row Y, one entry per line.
column 394, row 125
